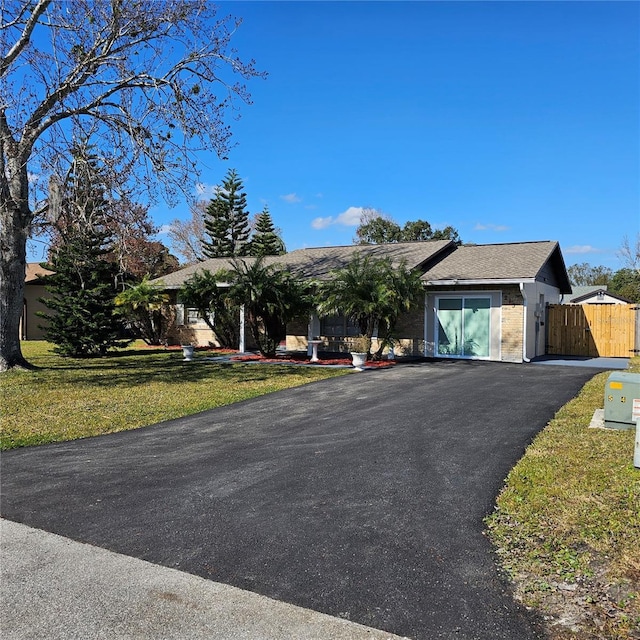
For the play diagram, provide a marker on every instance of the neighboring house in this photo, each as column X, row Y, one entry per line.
column 580, row 290
column 481, row 301
column 593, row 295
column 33, row 291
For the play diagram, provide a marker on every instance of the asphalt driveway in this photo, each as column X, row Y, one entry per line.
column 361, row 496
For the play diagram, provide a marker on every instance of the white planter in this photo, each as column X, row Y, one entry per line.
column 359, row 360
column 187, row 352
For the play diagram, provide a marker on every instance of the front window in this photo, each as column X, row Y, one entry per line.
column 192, row 316
column 338, row 327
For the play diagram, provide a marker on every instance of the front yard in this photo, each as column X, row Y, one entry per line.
column 567, row 525
column 68, row 398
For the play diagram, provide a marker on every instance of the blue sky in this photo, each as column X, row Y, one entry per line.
column 511, row 121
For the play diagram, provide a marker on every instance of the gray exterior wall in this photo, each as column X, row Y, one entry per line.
column 29, row 324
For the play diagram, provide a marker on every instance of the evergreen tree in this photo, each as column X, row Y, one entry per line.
column 83, row 286
column 227, row 220
column 626, row 283
column 82, row 290
column 265, row 240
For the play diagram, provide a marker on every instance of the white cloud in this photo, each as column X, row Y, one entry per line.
column 349, row 218
column 164, row 230
column 491, row 227
column 322, row 223
column 582, row 248
column 291, row 198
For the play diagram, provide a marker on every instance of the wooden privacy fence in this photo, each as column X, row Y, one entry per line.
column 606, row 330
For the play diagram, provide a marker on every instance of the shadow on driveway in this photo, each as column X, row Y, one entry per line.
column 361, row 496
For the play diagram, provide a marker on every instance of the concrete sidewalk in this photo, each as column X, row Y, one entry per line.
column 52, row 587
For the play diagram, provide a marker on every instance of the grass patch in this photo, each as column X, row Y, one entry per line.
column 567, row 524
column 69, row 398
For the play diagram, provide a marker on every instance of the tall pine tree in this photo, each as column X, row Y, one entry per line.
column 227, row 220
column 265, row 240
column 83, row 285
column 81, row 297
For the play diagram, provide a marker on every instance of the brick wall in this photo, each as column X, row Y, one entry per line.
column 512, row 324
column 410, row 333
column 297, row 334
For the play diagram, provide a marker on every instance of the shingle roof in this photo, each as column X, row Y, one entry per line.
column 578, row 291
column 499, row 262
column 317, row 263
column 581, row 290
column 591, row 294
column 442, row 261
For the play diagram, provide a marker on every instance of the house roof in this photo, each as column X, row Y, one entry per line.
column 441, row 261
column 317, row 263
column 501, row 263
column 594, row 294
column 34, row 272
column 581, row 290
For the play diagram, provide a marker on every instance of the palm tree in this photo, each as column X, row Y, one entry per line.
column 371, row 292
column 215, row 306
column 145, row 306
column 271, row 297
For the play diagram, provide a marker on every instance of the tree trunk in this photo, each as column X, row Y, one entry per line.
column 13, row 251
column 15, row 218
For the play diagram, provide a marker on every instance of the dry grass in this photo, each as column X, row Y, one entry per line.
column 66, row 398
column 567, row 524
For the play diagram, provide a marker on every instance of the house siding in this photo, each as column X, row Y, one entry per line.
column 30, row 323
column 511, row 342
column 547, row 275
column 409, row 332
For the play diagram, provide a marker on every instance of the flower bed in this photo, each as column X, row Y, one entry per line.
column 218, row 351
column 303, row 359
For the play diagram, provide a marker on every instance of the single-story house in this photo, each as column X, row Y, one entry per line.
column 480, row 301
column 593, row 295
column 33, row 290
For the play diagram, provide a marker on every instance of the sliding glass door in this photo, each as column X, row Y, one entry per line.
column 463, row 327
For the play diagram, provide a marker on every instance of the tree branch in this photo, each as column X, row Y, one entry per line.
column 25, row 36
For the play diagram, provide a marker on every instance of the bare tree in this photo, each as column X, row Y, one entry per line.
column 187, row 236
column 630, row 254
column 151, row 81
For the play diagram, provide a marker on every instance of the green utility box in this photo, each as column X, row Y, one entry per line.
column 622, row 400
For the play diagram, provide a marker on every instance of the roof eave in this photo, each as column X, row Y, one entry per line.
column 478, row 281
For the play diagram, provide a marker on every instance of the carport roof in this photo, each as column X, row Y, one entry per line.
column 501, row 263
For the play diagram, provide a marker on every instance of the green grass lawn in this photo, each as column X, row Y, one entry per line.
column 68, row 398
column 567, row 524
